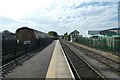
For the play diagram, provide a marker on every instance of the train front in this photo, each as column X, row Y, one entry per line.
column 25, row 35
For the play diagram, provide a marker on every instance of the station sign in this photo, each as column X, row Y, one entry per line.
column 18, row 41
column 27, row 42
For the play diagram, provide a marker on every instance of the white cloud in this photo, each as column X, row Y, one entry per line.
column 60, row 15
column 19, row 8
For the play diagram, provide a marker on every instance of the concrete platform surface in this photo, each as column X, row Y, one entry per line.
column 59, row 67
column 35, row 67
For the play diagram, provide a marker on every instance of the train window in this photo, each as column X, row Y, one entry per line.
column 17, row 31
column 30, row 31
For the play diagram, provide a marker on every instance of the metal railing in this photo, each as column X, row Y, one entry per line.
column 12, row 50
column 111, row 45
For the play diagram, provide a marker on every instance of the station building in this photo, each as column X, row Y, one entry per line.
column 73, row 35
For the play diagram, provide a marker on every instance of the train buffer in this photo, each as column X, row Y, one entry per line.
column 49, row 63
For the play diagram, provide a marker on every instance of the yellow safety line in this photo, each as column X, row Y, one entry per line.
column 51, row 73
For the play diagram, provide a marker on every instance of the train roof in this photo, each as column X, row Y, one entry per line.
column 28, row 28
column 24, row 28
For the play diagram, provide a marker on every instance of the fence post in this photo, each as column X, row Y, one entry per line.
column 25, row 48
column 15, row 53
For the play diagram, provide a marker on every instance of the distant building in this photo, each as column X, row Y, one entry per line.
column 94, row 33
column 73, row 36
column 104, row 33
column 61, row 36
column 110, row 32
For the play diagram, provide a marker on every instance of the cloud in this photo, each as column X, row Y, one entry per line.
column 6, row 21
column 94, row 4
column 60, row 15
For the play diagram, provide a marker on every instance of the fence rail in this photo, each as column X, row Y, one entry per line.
column 109, row 44
column 11, row 50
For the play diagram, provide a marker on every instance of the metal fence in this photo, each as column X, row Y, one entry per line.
column 11, row 50
column 108, row 44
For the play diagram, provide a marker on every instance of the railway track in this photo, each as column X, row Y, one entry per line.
column 113, row 65
column 80, row 66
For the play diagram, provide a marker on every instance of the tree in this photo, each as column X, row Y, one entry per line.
column 6, row 32
column 66, row 36
column 53, row 33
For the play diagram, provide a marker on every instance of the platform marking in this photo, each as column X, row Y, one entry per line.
column 51, row 73
column 67, row 63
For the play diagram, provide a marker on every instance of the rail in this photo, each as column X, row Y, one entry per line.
column 81, row 67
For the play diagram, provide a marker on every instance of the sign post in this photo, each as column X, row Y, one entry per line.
column 26, row 43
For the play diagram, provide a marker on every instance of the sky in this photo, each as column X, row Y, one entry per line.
column 59, row 15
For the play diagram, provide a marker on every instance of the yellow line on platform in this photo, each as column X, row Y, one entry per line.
column 59, row 67
column 52, row 67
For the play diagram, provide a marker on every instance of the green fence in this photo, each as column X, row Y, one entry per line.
column 108, row 44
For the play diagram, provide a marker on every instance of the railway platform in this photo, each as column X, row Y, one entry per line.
column 49, row 63
column 59, row 67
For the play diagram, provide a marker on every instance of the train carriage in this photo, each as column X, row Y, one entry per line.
column 28, row 35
